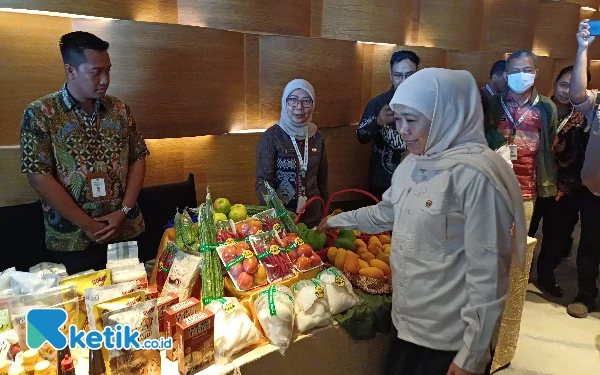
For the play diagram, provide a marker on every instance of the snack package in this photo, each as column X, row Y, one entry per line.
column 83, row 282
column 122, row 262
column 183, row 274
column 151, row 292
column 174, row 314
column 26, row 282
column 272, row 256
column 195, row 342
column 121, row 302
column 64, row 297
column 135, row 273
column 164, row 264
column 46, row 268
column 270, row 221
column 275, row 311
column 226, row 232
column 105, row 293
column 142, row 317
column 247, row 228
column 242, row 266
column 338, row 289
column 234, row 330
column 5, row 278
column 164, row 303
column 5, row 295
column 310, row 305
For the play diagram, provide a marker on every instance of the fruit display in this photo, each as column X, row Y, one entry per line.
column 247, row 228
column 226, row 231
column 238, row 212
column 270, row 221
column 272, row 256
column 222, row 206
column 316, row 240
column 275, row 202
column 242, row 265
column 371, row 259
column 303, row 256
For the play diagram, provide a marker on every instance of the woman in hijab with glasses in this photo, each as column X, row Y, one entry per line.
column 291, row 157
column 456, row 211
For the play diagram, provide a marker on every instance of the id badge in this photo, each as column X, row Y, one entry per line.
column 97, row 186
column 513, row 152
column 301, row 202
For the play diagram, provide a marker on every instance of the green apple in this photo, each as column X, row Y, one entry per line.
column 220, row 217
column 222, row 206
column 238, row 212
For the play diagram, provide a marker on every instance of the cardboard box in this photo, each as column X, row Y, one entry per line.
column 162, row 303
column 174, row 314
column 195, row 342
column 151, row 292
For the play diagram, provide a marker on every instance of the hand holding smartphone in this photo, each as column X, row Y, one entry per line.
column 594, row 27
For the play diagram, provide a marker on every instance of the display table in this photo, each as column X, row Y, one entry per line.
column 324, row 351
column 510, row 325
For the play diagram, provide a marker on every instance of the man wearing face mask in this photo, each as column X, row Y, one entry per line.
column 525, row 121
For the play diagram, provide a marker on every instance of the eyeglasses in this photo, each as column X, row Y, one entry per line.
column 402, row 76
column 306, row 102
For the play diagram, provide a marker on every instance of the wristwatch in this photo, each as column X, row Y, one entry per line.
column 126, row 210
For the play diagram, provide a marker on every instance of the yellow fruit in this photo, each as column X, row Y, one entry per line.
column 373, row 272
column 362, row 264
column 340, row 258
column 385, row 239
column 361, row 250
column 359, row 243
column 387, row 250
column 384, row 257
column 351, row 263
column 356, row 233
column 367, row 256
column 375, row 240
column 260, row 277
column 374, row 249
column 381, row 265
column 387, row 246
column 331, row 254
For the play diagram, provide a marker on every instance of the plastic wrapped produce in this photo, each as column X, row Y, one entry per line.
column 275, row 310
column 338, row 289
column 310, row 305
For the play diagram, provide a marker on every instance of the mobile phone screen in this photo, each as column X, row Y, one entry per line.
column 594, row 27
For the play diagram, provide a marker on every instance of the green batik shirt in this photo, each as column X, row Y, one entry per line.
column 59, row 138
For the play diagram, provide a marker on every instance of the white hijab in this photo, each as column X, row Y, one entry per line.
column 451, row 100
column 295, row 129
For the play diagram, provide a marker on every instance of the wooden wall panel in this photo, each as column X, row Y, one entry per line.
column 365, row 20
column 478, row 63
column 586, row 3
column 502, row 15
column 552, row 37
column 430, row 57
column 289, row 17
column 446, row 24
column 14, row 188
column 545, row 77
column 138, row 10
column 251, row 69
column 30, row 66
column 179, row 80
column 333, row 67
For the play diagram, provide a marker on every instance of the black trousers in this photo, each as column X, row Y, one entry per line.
column 94, row 257
column 405, row 358
column 560, row 218
column 588, row 253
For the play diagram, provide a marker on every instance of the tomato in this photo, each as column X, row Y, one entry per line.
column 245, row 281
column 293, row 255
column 228, row 254
column 303, row 263
column 305, row 250
column 291, row 237
column 260, row 277
column 250, row 265
column 236, row 270
column 315, row 260
column 284, row 243
column 241, row 246
column 254, row 228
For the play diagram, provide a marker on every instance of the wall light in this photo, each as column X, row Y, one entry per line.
column 53, row 14
column 378, row 44
column 588, row 8
column 247, row 131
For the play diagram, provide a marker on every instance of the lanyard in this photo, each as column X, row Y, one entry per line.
column 516, row 124
column 487, row 86
column 303, row 162
column 564, row 122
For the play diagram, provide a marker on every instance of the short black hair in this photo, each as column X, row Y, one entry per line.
column 498, row 68
column 73, row 45
column 403, row 55
column 569, row 69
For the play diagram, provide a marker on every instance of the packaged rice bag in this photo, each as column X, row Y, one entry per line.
column 26, row 282
column 310, row 305
column 105, row 293
column 226, row 232
column 242, row 266
column 164, row 264
column 272, row 256
column 270, row 221
column 122, row 262
column 234, row 330
column 275, row 311
column 135, row 273
column 83, row 282
column 183, row 274
column 45, row 268
column 338, row 289
column 121, row 302
column 142, row 317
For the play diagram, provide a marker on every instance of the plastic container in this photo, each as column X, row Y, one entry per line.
column 4, row 366
column 31, row 358
column 44, row 368
column 16, row 370
column 270, row 221
column 226, row 232
column 242, row 266
column 272, row 256
column 247, row 228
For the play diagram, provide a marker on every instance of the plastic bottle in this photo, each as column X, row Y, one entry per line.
column 30, row 358
column 61, row 355
column 96, row 363
column 67, row 366
column 43, row 368
column 16, row 370
column 4, row 366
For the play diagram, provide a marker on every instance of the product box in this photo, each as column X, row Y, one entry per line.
column 175, row 314
column 195, row 342
column 162, row 303
column 151, row 292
